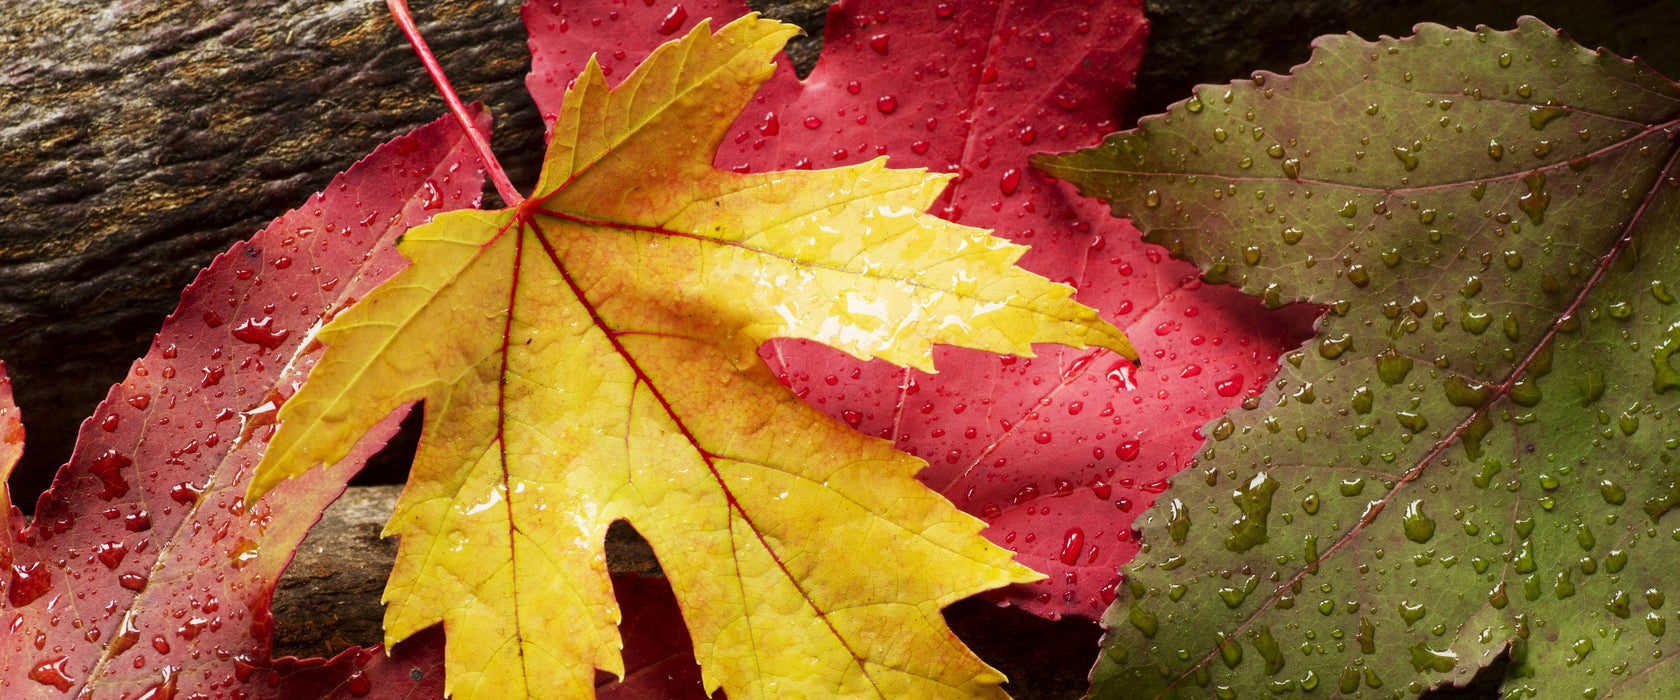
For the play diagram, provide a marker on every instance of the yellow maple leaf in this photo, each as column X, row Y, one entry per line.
column 589, row 355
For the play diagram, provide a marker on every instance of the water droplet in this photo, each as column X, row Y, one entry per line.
column 1255, row 501
column 1412, row 612
column 1234, row 595
column 878, row 44
column 51, row 672
column 1292, row 235
column 1494, row 150
column 1541, row 115
column 1618, row 604
column 1462, row 392
column 105, row 467
column 1073, row 544
column 1615, row 561
column 1352, row 487
column 29, row 582
column 1628, row 422
column 1178, row 521
column 1333, row 347
column 1418, row 525
column 1407, row 159
column 358, row 684
column 1011, row 180
column 1534, row 203
column 1424, row 657
column 1613, row 494
column 1144, row 621
column 1230, row 650
column 1392, row 368
column 1359, row 276
column 260, row 332
column 1268, row 648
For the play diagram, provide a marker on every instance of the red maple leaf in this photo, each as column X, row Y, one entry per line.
column 1058, row 452
column 140, row 575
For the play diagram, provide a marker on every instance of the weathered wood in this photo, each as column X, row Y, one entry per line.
column 140, row 139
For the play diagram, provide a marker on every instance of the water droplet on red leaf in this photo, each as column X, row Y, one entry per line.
column 29, row 582
column 1024, row 494
column 1073, row 543
column 51, row 672
column 260, row 332
column 673, row 21
column 358, row 683
column 105, row 467
column 429, row 196
column 1011, row 181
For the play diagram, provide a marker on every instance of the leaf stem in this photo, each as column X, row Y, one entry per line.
column 492, row 167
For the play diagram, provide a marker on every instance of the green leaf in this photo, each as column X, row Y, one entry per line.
column 1478, row 448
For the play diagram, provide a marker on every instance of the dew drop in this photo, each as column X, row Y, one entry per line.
column 51, row 672
column 1541, row 115
column 1073, row 544
column 673, row 21
column 260, row 332
column 1418, row 525
column 1144, row 621
column 105, row 467
column 1011, row 180
column 1407, row 159
column 29, row 582
column 1178, row 521
column 1613, row 494
column 1254, row 499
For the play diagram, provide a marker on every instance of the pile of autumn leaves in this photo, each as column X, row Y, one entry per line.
column 638, row 340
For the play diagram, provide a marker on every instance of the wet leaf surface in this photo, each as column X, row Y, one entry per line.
column 590, row 355
column 1477, row 449
column 145, row 573
column 1056, row 453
